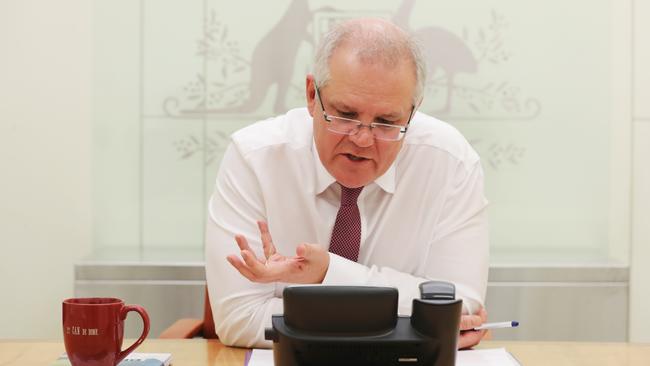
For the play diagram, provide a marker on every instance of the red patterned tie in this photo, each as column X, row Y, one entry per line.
column 346, row 235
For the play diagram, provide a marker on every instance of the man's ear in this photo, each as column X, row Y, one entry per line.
column 310, row 93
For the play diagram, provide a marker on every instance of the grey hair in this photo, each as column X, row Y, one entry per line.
column 372, row 44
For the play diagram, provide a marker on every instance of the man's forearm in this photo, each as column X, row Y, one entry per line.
column 240, row 319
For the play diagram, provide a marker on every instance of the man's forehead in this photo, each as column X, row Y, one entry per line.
column 354, row 98
column 380, row 78
column 382, row 110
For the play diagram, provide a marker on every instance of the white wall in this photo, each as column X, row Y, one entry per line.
column 640, row 251
column 45, row 161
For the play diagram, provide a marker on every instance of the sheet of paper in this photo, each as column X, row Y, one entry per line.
column 261, row 357
column 480, row 357
column 486, row 357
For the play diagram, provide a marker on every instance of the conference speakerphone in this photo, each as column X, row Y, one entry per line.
column 359, row 325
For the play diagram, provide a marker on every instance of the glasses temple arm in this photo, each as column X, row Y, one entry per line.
column 320, row 101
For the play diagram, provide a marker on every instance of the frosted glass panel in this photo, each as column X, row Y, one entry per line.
column 116, row 124
column 527, row 83
column 172, row 192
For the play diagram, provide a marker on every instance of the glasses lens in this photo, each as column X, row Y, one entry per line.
column 384, row 132
column 350, row 127
column 341, row 125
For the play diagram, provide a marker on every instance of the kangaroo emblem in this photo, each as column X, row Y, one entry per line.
column 274, row 58
column 441, row 48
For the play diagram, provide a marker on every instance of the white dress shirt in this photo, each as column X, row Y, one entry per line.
column 424, row 219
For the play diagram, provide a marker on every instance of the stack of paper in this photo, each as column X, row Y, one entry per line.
column 133, row 359
column 487, row 357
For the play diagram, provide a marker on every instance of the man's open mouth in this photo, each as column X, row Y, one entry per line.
column 355, row 158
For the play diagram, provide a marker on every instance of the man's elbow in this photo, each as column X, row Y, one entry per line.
column 236, row 334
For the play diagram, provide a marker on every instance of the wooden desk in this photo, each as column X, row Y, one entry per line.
column 202, row 352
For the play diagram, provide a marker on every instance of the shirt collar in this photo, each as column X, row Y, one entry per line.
column 324, row 179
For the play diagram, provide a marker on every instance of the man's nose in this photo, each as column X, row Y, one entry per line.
column 363, row 137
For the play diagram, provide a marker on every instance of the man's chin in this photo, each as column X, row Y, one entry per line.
column 354, row 175
column 353, row 182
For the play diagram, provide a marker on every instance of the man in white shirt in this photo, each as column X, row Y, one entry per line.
column 420, row 212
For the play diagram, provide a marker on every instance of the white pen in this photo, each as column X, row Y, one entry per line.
column 511, row 324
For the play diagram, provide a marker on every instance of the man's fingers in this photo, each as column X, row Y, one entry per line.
column 470, row 321
column 261, row 271
column 306, row 250
column 487, row 335
column 267, row 241
column 245, row 248
column 483, row 314
column 250, row 267
column 308, row 266
column 470, row 338
column 241, row 267
column 302, row 251
column 251, row 261
column 242, row 243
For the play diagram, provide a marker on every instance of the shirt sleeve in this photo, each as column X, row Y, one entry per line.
column 458, row 252
column 241, row 309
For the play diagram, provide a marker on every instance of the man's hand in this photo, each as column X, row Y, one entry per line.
column 468, row 337
column 308, row 266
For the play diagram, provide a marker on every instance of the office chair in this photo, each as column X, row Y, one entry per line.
column 191, row 328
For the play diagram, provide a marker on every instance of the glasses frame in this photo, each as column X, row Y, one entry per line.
column 358, row 124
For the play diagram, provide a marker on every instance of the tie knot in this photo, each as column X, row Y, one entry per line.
column 349, row 195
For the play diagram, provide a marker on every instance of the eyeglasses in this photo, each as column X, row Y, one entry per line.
column 348, row 126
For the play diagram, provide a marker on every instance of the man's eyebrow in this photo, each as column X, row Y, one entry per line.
column 342, row 106
column 339, row 105
column 392, row 115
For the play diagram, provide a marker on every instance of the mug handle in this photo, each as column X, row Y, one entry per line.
column 145, row 320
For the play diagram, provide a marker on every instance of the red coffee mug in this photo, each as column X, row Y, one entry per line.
column 93, row 329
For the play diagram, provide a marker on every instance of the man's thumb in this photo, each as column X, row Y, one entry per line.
column 305, row 250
